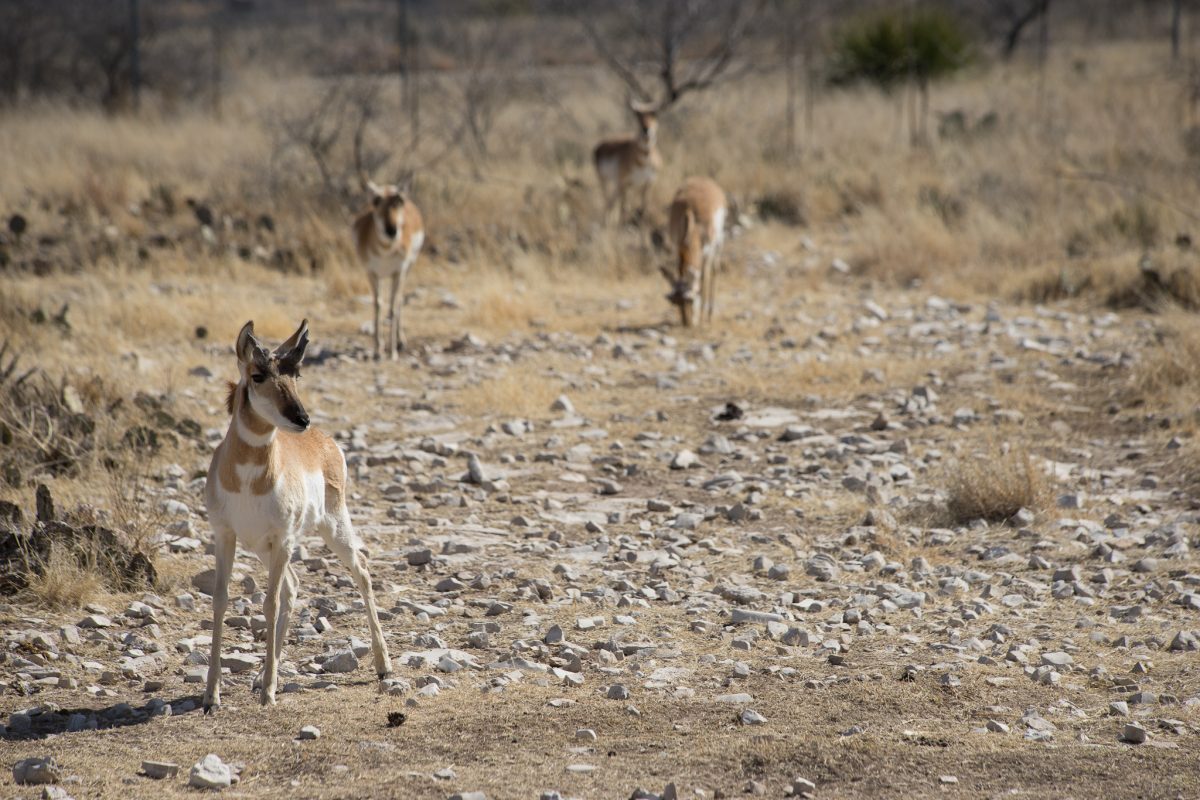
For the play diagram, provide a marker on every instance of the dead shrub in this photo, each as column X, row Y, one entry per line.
column 782, row 205
column 1172, row 367
column 68, row 560
column 1153, row 286
column 994, row 486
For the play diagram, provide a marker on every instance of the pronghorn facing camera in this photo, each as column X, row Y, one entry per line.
column 697, row 229
column 388, row 237
column 272, row 479
column 628, row 163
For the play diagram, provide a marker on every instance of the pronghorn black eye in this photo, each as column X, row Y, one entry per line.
column 258, row 377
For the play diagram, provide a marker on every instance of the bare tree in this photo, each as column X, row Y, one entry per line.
column 1017, row 15
column 688, row 44
column 1176, row 27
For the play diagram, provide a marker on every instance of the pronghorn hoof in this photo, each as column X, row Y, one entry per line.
column 267, row 699
column 210, row 708
column 383, row 676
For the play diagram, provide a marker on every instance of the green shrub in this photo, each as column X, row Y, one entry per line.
column 889, row 48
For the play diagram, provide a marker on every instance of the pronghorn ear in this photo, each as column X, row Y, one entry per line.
column 246, row 343
column 291, row 353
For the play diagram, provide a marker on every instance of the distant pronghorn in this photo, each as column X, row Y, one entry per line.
column 388, row 237
column 622, row 164
column 272, row 479
column 697, row 229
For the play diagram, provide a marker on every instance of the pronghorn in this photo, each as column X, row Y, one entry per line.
column 272, row 479
column 388, row 237
column 622, row 164
column 697, row 229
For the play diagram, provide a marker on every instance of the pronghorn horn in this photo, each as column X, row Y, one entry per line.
column 291, row 352
column 293, row 340
column 246, row 343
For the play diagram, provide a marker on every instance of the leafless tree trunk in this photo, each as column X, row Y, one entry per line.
column 789, row 27
column 1019, row 18
column 218, row 57
column 1176, row 26
column 135, row 56
column 410, row 94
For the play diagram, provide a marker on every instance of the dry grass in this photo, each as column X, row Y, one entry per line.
column 524, row 390
column 994, row 486
column 68, row 579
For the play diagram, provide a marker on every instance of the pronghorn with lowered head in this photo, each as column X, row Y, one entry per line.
column 273, row 478
column 697, row 229
column 387, row 238
column 626, row 163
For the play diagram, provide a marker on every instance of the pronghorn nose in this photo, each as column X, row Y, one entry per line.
column 390, row 230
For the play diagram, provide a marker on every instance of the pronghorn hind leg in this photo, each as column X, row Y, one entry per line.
column 224, row 544
column 394, row 320
column 375, row 295
column 275, row 578
column 339, row 535
column 402, row 340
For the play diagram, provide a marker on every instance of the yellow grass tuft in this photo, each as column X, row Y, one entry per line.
column 66, row 580
column 994, row 486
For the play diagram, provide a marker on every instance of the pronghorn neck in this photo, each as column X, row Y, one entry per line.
column 248, row 425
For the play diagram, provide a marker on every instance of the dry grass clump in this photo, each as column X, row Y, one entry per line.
column 1169, row 374
column 65, row 579
column 994, row 486
column 522, row 391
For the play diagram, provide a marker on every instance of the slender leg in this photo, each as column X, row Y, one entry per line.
column 287, row 596
column 621, row 196
column 340, row 537
column 712, row 280
column 402, row 340
column 642, row 210
column 393, row 320
column 275, row 570
column 375, row 294
column 224, row 544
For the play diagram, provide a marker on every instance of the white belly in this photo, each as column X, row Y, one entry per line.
column 279, row 516
column 385, row 266
column 642, row 176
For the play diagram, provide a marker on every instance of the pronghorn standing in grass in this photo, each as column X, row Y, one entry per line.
column 697, row 229
column 622, row 164
column 272, row 479
column 388, row 237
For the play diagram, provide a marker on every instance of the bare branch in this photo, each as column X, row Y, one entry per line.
column 668, row 34
column 624, row 72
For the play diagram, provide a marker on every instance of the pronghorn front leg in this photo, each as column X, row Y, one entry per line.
column 224, row 544
column 375, row 295
column 395, row 330
column 710, row 282
column 275, row 571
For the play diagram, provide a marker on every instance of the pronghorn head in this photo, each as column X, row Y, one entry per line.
column 270, row 378
column 685, row 291
column 387, row 205
column 647, row 120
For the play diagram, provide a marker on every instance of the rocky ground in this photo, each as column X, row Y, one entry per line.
column 652, row 563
